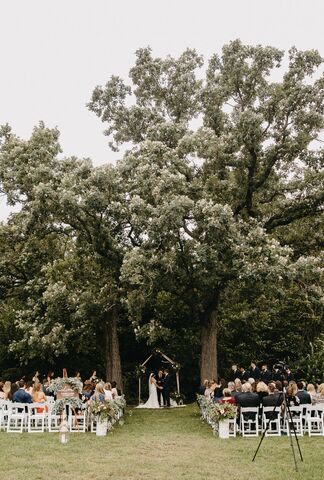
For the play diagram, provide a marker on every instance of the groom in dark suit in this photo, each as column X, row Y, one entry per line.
column 159, row 383
column 166, row 388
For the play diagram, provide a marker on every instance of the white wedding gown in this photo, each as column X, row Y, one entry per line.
column 152, row 401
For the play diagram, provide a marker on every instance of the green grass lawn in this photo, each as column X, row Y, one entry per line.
column 166, row 444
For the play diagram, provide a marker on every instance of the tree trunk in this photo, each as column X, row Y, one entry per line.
column 112, row 356
column 208, row 362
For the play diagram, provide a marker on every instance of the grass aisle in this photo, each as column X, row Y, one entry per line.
column 156, row 445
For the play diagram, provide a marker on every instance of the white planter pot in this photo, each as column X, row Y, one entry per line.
column 223, row 429
column 101, row 429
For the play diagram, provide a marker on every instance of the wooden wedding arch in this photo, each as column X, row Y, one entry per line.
column 142, row 369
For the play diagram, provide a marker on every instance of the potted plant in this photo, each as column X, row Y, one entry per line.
column 220, row 414
column 104, row 412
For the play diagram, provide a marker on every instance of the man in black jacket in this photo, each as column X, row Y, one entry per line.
column 21, row 396
column 265, row 374
column 254, row 371
column 303, row 396
column 274, row 398
column 248, row 399
column 159, row 382
column 166, row 388
column 235, row 373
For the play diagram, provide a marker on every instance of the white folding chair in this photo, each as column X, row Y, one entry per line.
column 17, row 417
column 271, row 417
column 315, row 420
column 77, row 420
column 232, row 427
column 36, row 420
column 4, row 414
column 249, row 421
column 297, row 420
column 53, row 419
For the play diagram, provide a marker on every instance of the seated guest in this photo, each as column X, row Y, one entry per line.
column 274, row 398
column 87, row 390
column 231, row 386
column 202, row 388
column 227, row 397
column 247, row 398
column 108, row 392
column 21, row 396
column 265, row 374
column 237, row 388
column 218, row 391
column 7, row 390
column 320, row 394
column 291, row 394
column 278, row 384
column 312, row 391
column 99, row 394
column 208, row 390
column 29, row 387
column 254, row 371
column 13, row 389
column 303, row 396
column 39, row 396
column 45, row 389
column 2, row 394
column 114, row 390
column 262, row 390
column 235, row 373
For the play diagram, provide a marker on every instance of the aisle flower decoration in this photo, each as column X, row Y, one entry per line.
column 178, row 397
column 221, row 411
column 103, row 410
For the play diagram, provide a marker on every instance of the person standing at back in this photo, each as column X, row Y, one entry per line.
column 254, row 371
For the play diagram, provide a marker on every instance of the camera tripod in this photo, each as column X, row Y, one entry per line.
column 290, row 423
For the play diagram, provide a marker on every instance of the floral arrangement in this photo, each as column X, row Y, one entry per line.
column 178, row 397
column 221, row 411
column 59, row 383
column 103, row 410
column 75, row 403
column 140, row 369
column 120, row 402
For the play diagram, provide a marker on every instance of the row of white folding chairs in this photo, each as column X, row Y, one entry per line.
column 304, row 419
column 38, row 417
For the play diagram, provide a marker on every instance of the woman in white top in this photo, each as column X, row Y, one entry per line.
column 108, row 392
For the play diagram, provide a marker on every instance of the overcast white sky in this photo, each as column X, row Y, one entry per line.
column 53, row 53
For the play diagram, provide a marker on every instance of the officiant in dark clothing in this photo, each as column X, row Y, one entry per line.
column 166, row 388
column 159, row 383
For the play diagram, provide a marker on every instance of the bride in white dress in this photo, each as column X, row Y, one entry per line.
column 152, row 401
